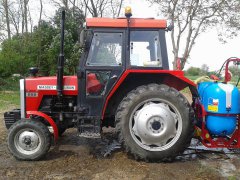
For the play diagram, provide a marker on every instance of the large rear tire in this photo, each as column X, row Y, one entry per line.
column 154, row 123
column 29, row 140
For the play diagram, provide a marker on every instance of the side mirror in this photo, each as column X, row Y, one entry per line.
column 82, row 38
column 170, row 27
column 85, row 38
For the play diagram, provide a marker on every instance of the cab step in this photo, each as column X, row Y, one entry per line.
column 89, row 127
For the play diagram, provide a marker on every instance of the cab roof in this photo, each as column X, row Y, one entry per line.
column 122, row 23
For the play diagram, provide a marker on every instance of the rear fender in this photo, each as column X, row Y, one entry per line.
column 175, row 79
column 179, row 82
column 48, row 119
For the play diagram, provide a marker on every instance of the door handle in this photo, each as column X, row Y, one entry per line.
column 114, row 77
column 80, row 73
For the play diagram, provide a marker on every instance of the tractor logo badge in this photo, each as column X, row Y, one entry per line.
column 53, row 87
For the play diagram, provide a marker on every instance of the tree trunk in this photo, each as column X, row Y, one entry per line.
column 25, row 3
column 40, row 14
column 40, row 36
column 15, row 18
column 120, row 7
column 94, row 9
column 22, row 13
column 30, row 19
column 6, row 10
column 74, row 6
column 65, row 3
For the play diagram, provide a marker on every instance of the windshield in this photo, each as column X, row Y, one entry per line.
column 106, row 50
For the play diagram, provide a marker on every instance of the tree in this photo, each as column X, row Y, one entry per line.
column 190, row 18
column 15, row 16
column 204, row 69
column 41, row 47
column 43, row 35
column 25, row 13
column 193, row 71
column 5, row 13
column 234, row 69
column 72, row 49
column 100, row 8
column 231, row 21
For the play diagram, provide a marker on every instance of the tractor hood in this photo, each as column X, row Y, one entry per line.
column 33, row 90
column 48, row 85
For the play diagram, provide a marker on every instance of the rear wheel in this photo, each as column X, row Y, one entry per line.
column 154, row 122
column 29, row 140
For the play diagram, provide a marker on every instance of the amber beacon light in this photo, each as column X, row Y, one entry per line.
column 128, row 11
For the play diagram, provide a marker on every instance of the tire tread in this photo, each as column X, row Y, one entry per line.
column 132, row 96
column 42, row 128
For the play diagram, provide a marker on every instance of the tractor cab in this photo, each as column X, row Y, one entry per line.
column 112, row 47
column 133, row 42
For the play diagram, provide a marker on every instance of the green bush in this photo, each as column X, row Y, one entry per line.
column 193, row 71
column 41, row 48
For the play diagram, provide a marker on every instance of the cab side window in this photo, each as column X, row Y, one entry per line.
column 105, row 50
column 145, row 49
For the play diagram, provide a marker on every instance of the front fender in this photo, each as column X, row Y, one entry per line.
column 48, row 119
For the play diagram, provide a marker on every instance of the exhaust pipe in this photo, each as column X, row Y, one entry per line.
column 61, row 60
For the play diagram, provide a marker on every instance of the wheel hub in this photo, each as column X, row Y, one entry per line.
column 154, row 124
column 27, row 141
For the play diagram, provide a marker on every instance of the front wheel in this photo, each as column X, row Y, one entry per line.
column 154, row 122
column 29, row 140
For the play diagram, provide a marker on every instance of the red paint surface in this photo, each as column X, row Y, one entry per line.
column 218, row 142
column 174, row 79
column 48, row 119
column 33, row 103
column 227, row 74
column 122, row 23
column 93, row 84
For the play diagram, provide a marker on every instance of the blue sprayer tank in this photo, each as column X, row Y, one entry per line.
column 222, row 103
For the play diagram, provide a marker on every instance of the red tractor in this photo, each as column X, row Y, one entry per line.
column 123, row 80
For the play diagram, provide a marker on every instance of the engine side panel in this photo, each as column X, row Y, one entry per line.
column 37, row 88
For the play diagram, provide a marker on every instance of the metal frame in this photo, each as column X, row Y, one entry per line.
column 95, row 104
column 216, row 142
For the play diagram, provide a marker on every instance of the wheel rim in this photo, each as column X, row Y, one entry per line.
column 155, row 124
column 27, row 141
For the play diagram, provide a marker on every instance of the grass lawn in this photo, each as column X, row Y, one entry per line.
column 9, row 99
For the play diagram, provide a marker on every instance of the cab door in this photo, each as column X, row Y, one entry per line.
column 102, row 67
